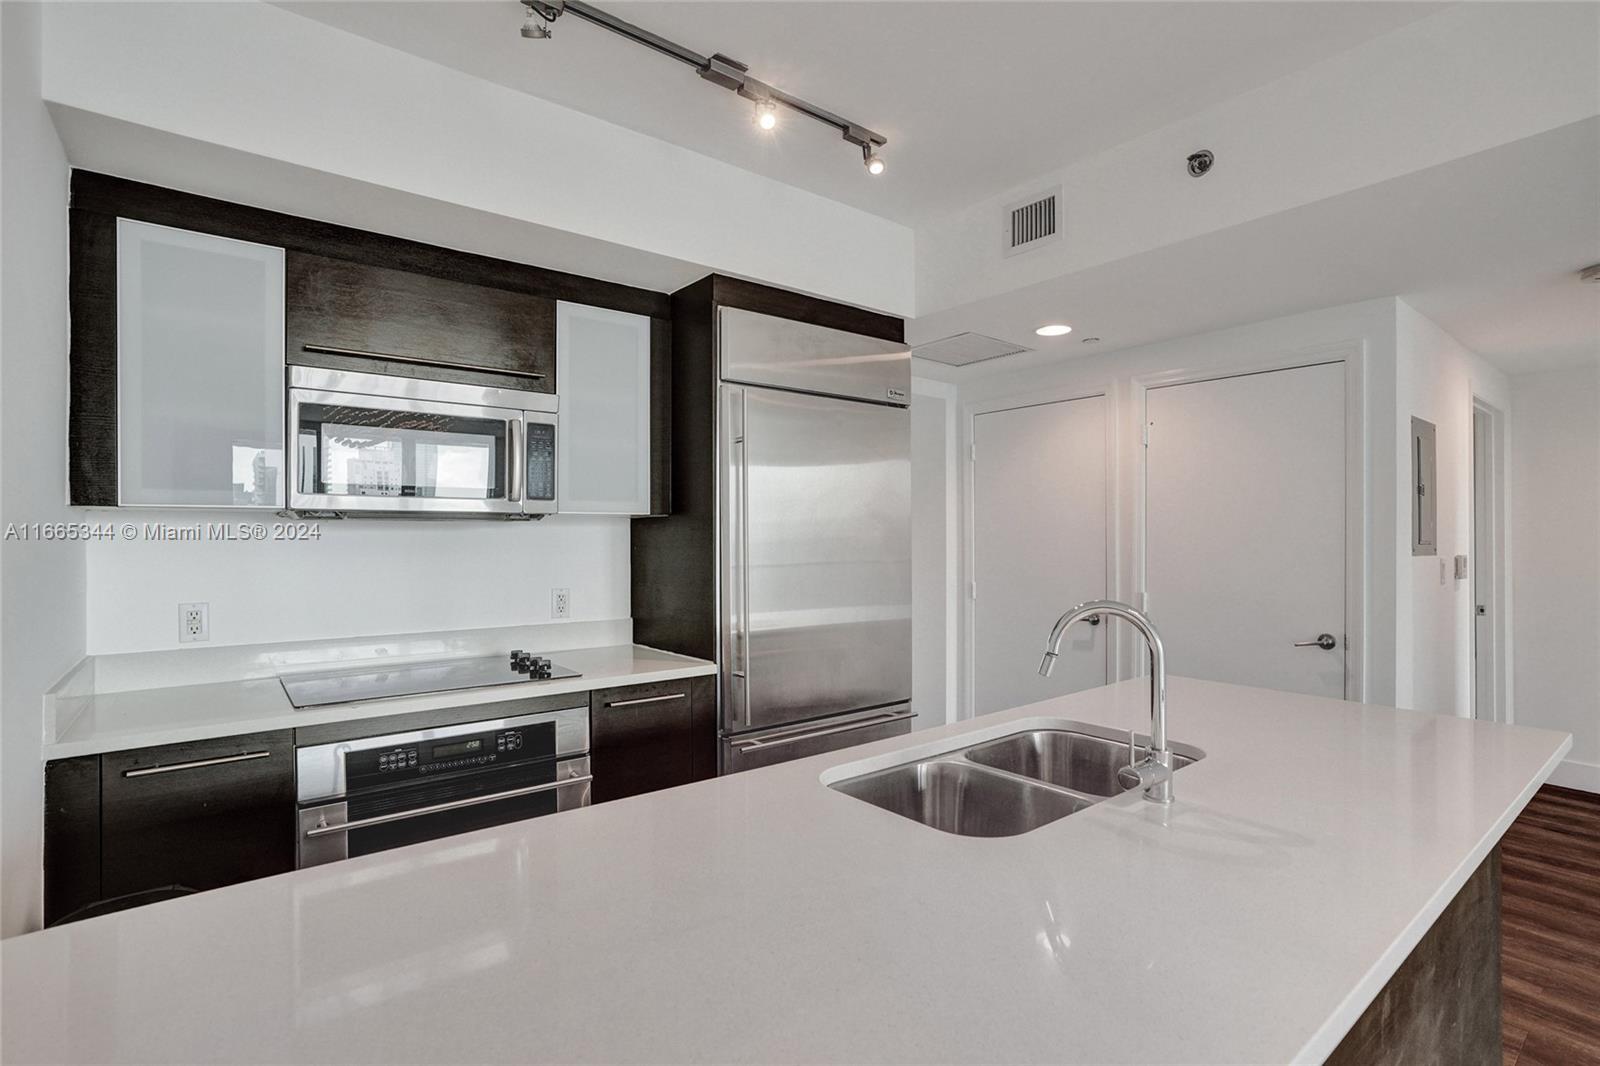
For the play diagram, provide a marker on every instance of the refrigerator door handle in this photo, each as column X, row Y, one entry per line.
column 795, row 738
column 738, row 594
column 744, row 551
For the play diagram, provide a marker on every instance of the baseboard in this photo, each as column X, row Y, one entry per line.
column 1580, row 775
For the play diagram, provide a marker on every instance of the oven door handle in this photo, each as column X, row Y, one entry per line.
column 471, row 801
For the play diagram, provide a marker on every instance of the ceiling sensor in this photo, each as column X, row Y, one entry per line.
column 1200, row 163
column 1590, row 273
column 717, row 69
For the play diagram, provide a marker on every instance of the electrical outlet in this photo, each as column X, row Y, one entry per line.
column 194, row 622
column 560, row 603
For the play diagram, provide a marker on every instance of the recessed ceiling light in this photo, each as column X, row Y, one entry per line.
column 1090, row 340
column 1054, row 330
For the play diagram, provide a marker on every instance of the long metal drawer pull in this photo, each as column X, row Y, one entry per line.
column 648, row 699
column 324, row 349
column 194, row 764
column 752, row 745
column 418, row 812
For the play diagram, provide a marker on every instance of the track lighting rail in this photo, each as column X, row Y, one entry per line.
column 717, row 69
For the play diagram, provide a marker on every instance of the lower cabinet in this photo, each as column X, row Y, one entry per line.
column 649, row 737
column 191, row 816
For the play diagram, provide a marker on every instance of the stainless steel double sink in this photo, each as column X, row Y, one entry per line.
column 1008, row 785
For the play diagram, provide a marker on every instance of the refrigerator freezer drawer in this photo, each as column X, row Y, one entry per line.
column 758, row 349
column 750, row 750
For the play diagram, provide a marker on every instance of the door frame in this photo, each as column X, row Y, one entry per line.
column 1357, row 484
column 929, row 389
column 969, row 532
column 1499, row 709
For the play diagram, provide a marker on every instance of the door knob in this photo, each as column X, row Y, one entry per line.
column 1325, row 641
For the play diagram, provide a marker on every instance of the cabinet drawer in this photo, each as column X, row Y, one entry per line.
column 200, row 815
column 649, row 737
column 355, row 316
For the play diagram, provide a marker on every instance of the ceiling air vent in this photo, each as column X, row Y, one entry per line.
column 964, row 349
column 1032, row 222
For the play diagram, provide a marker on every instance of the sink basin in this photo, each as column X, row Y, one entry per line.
column 1074, row 760
column 961, row 798
column 1048, row 769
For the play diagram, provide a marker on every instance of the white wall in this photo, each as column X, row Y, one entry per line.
column 42, row 631
column 1369, row 327
column 266, row 83
column 368, row 577
column 934, row 534
column 1437, row 380
column 1555, row 458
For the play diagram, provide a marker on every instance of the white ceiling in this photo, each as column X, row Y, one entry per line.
column 1487, row 246
column 974, row 98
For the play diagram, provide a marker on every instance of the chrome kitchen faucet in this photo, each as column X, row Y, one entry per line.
column 1154, row 771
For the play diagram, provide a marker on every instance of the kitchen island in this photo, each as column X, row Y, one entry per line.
column 767, row 917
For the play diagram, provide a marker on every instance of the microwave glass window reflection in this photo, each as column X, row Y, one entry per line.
column 361, row 452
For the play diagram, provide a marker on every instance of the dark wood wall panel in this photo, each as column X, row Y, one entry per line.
column 1443, row 1004
column 92, row 373
column 750, row 296
column 674, row 558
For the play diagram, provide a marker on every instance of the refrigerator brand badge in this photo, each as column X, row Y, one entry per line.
column 897, row 394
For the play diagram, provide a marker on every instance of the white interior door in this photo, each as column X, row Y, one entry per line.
column 1039, row 547
column 1245, row 527
column 1485, row 561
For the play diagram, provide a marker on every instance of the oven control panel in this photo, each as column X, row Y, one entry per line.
column 425, row 758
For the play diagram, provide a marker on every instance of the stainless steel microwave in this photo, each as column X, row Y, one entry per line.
column 371, row 444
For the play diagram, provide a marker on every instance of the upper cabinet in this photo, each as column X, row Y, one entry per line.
column 355, row 316
column 604, row 448
column 199, row 370
column 188, row 315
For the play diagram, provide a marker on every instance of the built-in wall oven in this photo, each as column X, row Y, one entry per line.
column 374, row 444
column 374, row 793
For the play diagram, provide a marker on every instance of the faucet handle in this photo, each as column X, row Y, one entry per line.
column 1133, row 750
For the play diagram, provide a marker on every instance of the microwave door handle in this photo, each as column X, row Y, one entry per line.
column 514, row 474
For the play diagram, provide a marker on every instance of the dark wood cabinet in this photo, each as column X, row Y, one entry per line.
column 419, row 309
column 650, row 737
column 376, row 319
column 197, row 815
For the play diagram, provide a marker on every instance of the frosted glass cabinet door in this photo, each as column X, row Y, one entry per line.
column 603, row 437
column 200, row 385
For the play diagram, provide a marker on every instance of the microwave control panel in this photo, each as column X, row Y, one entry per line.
column 541, row 461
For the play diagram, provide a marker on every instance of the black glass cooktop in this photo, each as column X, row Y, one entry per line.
column 413, row 679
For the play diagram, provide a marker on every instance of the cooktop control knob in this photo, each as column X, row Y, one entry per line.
column 540, row 668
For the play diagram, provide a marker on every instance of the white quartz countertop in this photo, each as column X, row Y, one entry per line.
column 116, row 721
column 765, row 917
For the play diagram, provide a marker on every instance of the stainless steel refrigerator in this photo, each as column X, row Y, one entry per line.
column 810, row 532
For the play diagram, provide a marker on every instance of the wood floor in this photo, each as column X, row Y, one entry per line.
column 1550, row 931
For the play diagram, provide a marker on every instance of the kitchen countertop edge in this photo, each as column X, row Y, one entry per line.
column 98, row 723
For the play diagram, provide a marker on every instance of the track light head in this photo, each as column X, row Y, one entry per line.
column 541, row 13
column 766, row 114
column 873, row 161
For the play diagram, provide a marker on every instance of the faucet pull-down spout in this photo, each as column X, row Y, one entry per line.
column 1154, row 772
